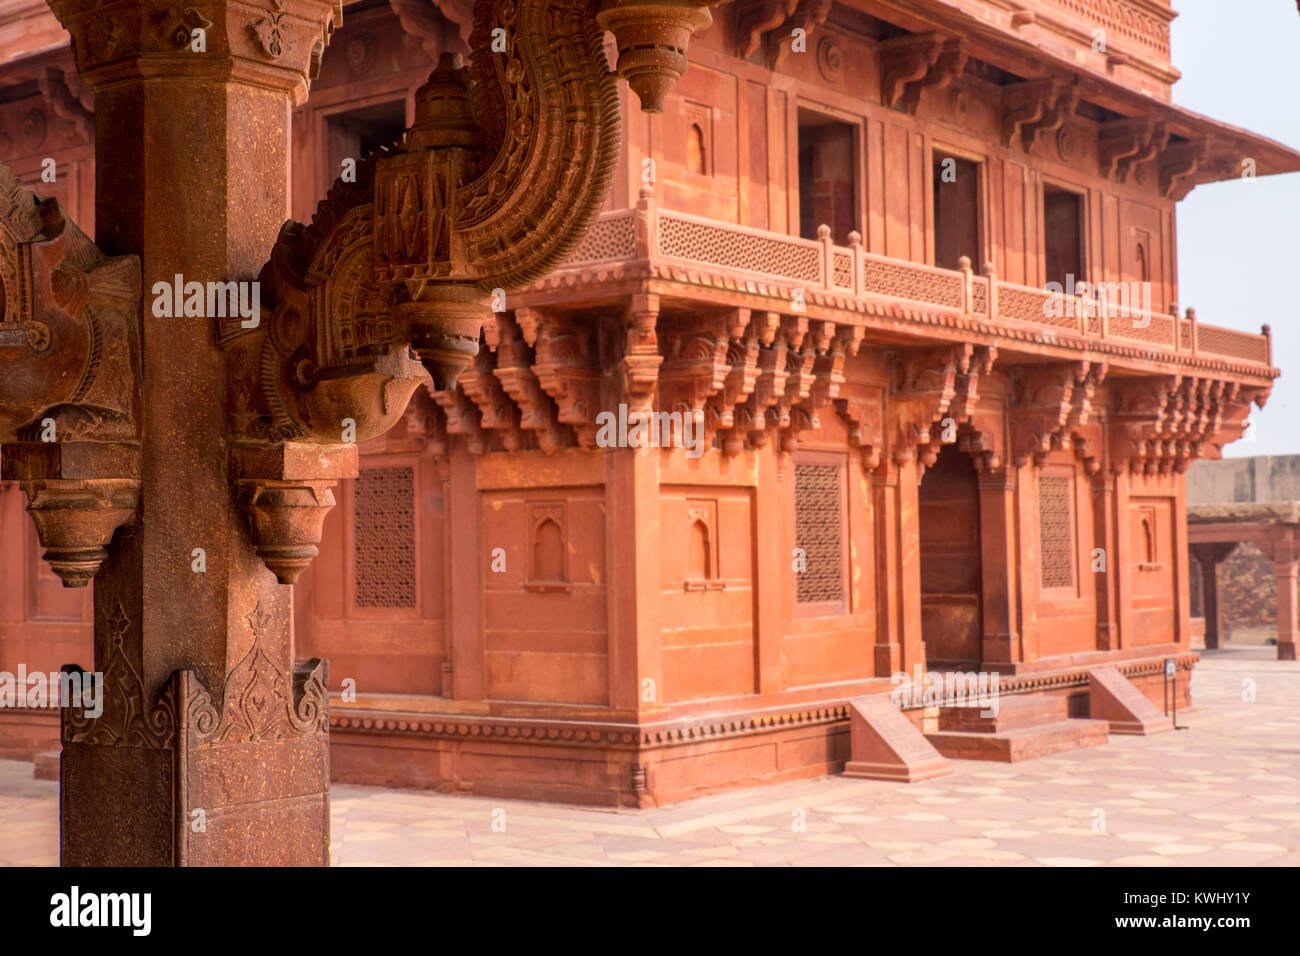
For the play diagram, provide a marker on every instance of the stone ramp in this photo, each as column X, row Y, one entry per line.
column 1112, row 697
column 885, row 745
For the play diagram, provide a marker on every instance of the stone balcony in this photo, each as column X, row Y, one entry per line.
column 670, row 252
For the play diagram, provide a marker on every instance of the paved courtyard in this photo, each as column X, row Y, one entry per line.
column 1226, row 792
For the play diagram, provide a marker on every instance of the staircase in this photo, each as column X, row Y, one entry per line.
column 1023, row 728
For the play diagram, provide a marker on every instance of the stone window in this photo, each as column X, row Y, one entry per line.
column 956, row 211
column 819, row 533
column 1063, row 236
column 827, row 177
column 383, row 509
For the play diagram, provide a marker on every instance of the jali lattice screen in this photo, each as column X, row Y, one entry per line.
column 384, row 534
column 1056, row 541
column 818, row 526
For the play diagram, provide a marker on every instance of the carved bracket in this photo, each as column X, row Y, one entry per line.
column 1127, row 144
column 1035, row 107
column 69, row 388
column 925, row 384
column 1047, row 396
column 1179, row 164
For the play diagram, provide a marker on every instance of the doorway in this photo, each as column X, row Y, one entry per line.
column 951, row 578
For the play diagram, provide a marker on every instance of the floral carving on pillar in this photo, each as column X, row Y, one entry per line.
column 273, row 32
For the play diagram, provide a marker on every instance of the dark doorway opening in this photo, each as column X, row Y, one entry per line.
column 1063, row 236
column 827, row 177
column 956, row 211
column 951, row 576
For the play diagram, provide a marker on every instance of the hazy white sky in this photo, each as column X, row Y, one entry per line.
column 1239, row 241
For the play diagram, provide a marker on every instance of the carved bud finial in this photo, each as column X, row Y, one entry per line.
column 823, row 231
column 443, row 112
column 652, row 40
column 855, row 238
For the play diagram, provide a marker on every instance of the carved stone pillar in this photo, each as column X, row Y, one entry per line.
column 998, row 562
column 1286, row 565
column 211, row 748
column 1208, row 557
column 884, row 489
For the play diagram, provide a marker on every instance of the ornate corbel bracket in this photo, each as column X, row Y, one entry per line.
column 1055, row 114
column 905, row 62
column 862, row 409
column 756, row 19
column 1034, row 107
column 69, row 382
column 1136, row 427
column 1127, row 144
column 925, row 384
column 286, row 492
column 1045, row 399
column 565, row 363
column 945, row 68
column 807, row 16
column 390, row 286
column 1179, row 164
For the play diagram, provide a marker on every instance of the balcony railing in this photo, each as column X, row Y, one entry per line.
column 818, row 264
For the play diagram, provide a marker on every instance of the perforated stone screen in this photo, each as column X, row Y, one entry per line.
column 1057, row 542
column 818, row 531
column 384, row 555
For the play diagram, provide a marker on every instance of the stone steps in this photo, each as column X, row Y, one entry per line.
column 1021, row 743
column 1013, row 713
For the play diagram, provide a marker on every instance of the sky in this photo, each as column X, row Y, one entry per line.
column 1239, row 241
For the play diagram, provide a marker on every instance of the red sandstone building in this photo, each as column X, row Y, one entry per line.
column 831, row 253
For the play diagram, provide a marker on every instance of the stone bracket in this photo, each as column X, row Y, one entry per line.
column 285, row 490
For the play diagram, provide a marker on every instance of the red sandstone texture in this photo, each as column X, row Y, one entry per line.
column 832, row 263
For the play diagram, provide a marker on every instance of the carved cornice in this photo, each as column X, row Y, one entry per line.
column 1160, row 425
column 717, row 288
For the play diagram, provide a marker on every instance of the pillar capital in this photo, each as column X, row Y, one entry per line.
column 276, row 44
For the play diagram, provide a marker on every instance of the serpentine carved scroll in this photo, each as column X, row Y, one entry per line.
column 501, row 174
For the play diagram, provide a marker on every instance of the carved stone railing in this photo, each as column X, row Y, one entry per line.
column 648, row 232
column 1140, row 24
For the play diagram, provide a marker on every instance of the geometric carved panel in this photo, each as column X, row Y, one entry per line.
column 1054, row 532
column 384, row 535
column 818, row 524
